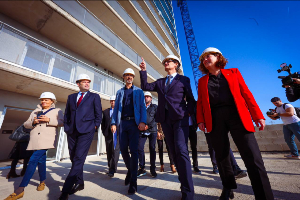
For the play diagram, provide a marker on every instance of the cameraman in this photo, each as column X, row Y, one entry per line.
column 291, row 127
column 293, row 93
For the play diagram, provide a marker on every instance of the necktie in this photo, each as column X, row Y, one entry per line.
column 168, row 83
column 80, row 99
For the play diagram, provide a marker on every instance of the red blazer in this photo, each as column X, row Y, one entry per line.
column 244, row 100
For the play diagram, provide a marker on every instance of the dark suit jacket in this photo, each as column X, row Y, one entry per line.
column 86, row 116
column 152, row 125
column 179, row 89
column 243, row 98
column 105, row 124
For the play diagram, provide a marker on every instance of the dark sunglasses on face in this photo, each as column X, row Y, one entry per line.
column 169, row 60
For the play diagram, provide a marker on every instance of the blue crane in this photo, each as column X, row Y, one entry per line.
column 190, row 39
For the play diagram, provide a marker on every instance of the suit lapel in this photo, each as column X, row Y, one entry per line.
column 85, row 98
column 174, row 81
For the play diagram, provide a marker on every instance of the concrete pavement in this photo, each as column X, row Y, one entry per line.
column 284, row 175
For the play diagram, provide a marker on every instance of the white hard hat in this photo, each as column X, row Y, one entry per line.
column 112, row 98
column 48, row 95
column 171, row 57
column 129, row 71
column 83, row 77
column 210, row 49
column 148, row 94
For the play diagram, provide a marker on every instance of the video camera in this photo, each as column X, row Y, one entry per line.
column 271, row 112
column 287, row 80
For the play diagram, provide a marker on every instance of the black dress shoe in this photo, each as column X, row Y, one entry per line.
column 63, row 196
column 110, row 174
column 128, row 177
column 132, row 188
column 76, row 188
column 226, row 194
column 197, row 170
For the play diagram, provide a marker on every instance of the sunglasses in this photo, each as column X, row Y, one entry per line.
column 170, row 60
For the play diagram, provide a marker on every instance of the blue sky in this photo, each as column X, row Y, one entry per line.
column 256, row 47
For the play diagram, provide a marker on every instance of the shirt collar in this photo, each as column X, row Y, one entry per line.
column 79, row 93
column 173, row 75
column 125, row 88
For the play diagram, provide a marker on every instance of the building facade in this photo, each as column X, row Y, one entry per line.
column 45, row 44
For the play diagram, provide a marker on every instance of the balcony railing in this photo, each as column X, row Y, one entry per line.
column 27, row 51
column 82, row 14
column 165, row 17
column 146, row 18
column 120, row 10
column 173, row 40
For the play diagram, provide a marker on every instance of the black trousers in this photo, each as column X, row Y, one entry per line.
column 193, row 143
column 79, row 145
column 176, row 134
column 160, row 144
column 112, row 153
column 227, row 119
column 152, row 142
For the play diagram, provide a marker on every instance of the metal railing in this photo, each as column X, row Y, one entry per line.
column 82, row 14
column 173, row 40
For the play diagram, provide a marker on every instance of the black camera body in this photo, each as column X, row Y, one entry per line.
column 271, row 112
column 288, row 80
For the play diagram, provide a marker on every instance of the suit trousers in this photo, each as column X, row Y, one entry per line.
column 212, row 151
column 152, row 143
column 129, row 137
column 113, row 154
column 79, row 145
column 193, row 142
column 225, row 119
column 160, row 145
column 176, row 134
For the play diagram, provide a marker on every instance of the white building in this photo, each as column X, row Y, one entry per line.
column 45, row 44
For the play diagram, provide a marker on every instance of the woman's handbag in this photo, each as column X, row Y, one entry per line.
column 21, row 134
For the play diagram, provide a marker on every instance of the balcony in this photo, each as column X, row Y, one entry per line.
column 47, row 19
column 151, row 13
column 24, row 50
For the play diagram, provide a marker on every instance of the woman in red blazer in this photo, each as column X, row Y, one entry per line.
column 226, row 104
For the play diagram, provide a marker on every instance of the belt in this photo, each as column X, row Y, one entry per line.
column 127, row 118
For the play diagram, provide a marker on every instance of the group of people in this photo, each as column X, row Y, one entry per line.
column 224, row 105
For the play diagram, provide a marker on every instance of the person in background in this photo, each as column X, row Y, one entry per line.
column 291, row 127
column 43, row 122
column 225, row 104
column 19, row 152
column 111, row 139
column 150, row 133
column 160, row 144
column 193, row 141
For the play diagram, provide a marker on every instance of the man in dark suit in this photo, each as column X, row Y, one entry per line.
column 173, row 114
column 111, row 139
column 151, row 133
column 82, row 118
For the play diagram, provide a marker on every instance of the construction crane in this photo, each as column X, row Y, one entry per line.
column 190, row 39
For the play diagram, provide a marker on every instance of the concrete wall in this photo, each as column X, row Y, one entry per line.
column 271, row 139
